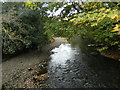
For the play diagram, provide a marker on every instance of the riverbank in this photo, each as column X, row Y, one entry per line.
column 114, row 54
column 90, row 47
column 16, row 68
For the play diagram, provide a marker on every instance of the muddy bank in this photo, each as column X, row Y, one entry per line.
column 114, row 54
column 89, row 47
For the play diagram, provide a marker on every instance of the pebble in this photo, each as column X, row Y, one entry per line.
column 29, row 69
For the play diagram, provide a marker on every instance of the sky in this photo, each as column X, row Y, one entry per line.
column 56, row 13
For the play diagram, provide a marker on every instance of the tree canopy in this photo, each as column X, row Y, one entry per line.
column 34, row 24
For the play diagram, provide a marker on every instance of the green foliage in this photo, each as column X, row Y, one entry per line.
column 101, row 25
column 56, row 27
column 22, row 28
column 31, row 5
column 97, row 21
column 26, row 25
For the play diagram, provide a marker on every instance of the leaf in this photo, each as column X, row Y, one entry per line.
column 99, row 19
column 118, row 17
column 72, row 20
column 78, row 23
column 107, row 10
column 28, row 3
column 94, row 24
column 116, row 29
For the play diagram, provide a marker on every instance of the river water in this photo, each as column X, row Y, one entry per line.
column 71, row 67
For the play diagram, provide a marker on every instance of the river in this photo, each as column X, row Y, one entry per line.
column 72, row 65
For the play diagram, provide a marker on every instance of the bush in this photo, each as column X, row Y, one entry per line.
column 22, row 28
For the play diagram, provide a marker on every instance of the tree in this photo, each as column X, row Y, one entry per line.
column 22, row 28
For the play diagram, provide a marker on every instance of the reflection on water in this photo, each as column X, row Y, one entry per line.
column 62, row 54
column 70, row 68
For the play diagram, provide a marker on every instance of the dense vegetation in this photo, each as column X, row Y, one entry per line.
column 22, row 28
column 98, row 21
column 27, row 25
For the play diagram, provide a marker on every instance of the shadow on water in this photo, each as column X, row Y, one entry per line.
column 73, row 66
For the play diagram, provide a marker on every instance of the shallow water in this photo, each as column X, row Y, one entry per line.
column 71, row 68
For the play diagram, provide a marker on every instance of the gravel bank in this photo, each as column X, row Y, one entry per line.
column 15, row 70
